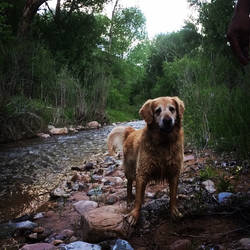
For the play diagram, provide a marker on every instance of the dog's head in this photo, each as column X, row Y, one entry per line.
column 163, row 112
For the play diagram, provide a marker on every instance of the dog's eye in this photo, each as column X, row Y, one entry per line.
column 158, row 111
column 172, row 109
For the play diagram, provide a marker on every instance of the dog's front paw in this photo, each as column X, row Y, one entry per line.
column 176, row 214
column 129, row 221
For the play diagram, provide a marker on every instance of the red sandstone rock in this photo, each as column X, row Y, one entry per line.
column 102, row 223
column 93, row 124
column 38, row 246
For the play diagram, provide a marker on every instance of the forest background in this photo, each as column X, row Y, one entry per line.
column 73, row 64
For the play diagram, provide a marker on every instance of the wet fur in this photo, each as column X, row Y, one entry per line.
column 151, row 154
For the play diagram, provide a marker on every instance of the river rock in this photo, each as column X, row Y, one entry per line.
column 33, row 236
column 72, row 130
column 112, row 180
column 245, row 243
column 38, row 246
column 93, row 124
column 95, row 191
column 39, row 230
column 43, row 135
column 181, row 245
column 58, row 131
column 122, row 245
column 84, row 206
column 7, row 229
column 209, row 186
column 25, row 225
column 101, row 224
column 67, row 233
column 223, row 196
column 80, row 245
column 38, row 216
column 89, row 166
column 59, row 192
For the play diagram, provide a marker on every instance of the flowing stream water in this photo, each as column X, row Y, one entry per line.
column 30, row 169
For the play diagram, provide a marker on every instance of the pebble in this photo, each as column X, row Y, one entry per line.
column 245, row 243
column 209, row 186
column 33, row 236
column 89, row 166
column 95, row 191
column 122, row 245
column 181, row 245
column 80, row 245
column 38, row 216
column 25, row 225
column 223, row 196
column 59, row 192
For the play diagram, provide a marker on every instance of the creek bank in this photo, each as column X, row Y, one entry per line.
column 31, row 169
column 92, row 194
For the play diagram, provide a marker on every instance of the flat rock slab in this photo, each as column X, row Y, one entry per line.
column 102, row 223
column 84, row 206
column 38, row 246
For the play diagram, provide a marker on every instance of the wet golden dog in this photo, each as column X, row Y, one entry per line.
column 154, row 153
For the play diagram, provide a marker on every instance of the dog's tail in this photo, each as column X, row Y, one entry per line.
column 116, row 138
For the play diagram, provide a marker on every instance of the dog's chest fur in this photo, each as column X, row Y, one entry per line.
column 159, row 160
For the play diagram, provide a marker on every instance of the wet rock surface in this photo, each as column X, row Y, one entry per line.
column 88, row 204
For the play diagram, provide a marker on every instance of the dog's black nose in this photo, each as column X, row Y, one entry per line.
column 167, row 122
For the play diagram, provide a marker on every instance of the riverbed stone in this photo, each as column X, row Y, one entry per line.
column 78, row 245
column 223, row 196
column 245, row 243
column 94, row 125
column 38, row 246
column 59, row 192
column 122, row 245
column 38, row 216
column 182, row 244
column 43, row 135
column 84, row 206
column 89, row 166
column 58, row 131
column 112, row 180
column 209, row 186
column 101, row 224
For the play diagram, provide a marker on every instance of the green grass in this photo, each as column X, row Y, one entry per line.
column 121, row 115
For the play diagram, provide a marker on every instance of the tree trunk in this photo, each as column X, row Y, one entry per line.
column 58, row 8
column 111, row 25
column 29, row 11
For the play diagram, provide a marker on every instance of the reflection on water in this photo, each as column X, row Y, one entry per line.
column 29, row 171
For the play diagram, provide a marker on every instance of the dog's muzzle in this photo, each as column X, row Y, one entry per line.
column 167, row 125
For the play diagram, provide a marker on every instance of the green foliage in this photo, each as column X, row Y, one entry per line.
column 208, row 173
column 224, row 184
column 128, row 28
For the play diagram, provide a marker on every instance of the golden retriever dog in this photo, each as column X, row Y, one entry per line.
column 154, row 153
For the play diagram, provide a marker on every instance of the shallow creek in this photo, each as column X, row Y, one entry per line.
column 30, row 169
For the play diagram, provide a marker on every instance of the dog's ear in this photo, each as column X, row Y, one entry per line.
column 179, row 105
column 146, row 112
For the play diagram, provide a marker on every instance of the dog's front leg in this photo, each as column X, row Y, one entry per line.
column 173, row 184
column 140, row 190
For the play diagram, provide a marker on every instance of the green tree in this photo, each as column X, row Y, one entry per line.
column 128, row 29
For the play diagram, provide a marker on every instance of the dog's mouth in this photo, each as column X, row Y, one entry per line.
column 166, row 129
